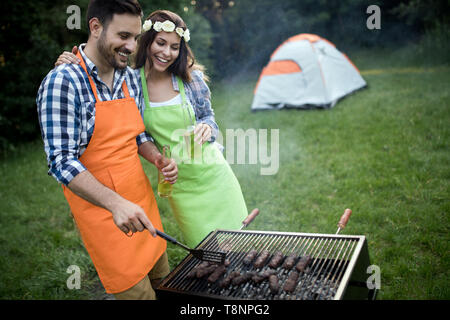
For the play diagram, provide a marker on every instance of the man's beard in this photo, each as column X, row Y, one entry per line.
column 107, row 54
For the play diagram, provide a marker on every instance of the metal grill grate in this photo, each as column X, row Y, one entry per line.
column 332, row 260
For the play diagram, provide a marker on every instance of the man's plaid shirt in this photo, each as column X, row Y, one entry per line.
column 66, row 110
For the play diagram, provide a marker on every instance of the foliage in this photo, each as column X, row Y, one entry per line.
column 246, row 32
column 33, row 34
column 202, row 42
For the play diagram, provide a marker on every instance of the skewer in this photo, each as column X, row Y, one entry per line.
column 344, row 219
column 249, row 218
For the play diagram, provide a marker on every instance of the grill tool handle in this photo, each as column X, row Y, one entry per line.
column 171, row 239
column 344, row 219
column 250, row 218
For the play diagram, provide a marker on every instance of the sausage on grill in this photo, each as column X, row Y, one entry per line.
column 217, row 273
column 262, row 258
column 291, row 282
column 273, row 283
column 276, row 259
column 193, row 272
column 227, row 280
column 257, row 278
column 290, row 261
column 263, row 275
column 303, row 263
column 249, row 257
column 201, row 272
column 243, row 277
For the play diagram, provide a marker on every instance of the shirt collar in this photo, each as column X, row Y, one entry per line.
column 91, row 68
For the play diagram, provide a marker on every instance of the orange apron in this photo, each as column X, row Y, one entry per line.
column 112, row 157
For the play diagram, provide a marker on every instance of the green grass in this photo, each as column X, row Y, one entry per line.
column 383, row 152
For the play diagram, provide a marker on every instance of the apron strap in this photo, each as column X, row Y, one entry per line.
column 126, row 93
column 144, row 88
column 182, row 92
column 93, row 86
column 184, row 103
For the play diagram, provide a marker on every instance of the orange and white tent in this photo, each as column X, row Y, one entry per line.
column 306, row 71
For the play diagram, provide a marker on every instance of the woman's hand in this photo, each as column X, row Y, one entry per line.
column 202, row 133
column 68, row 57
column 168, row 167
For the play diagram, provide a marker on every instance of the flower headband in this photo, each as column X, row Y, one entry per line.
column 167, row 26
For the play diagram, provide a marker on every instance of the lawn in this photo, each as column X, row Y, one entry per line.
column 383, row 152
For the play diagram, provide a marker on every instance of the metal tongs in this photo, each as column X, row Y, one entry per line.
column 208, row 255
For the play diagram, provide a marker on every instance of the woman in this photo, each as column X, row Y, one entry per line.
column 207, row 195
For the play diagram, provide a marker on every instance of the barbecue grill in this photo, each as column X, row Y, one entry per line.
column 337, row 268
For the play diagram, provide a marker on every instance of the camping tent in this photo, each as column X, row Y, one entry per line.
column 306, row 71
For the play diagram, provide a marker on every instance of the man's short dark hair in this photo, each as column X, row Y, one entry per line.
column 104, row 10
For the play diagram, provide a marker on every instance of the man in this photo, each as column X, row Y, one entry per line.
column 93, row 131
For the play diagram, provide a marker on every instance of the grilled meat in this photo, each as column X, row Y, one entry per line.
column 291, row 282
column 276, row 259
column 217, row 273
column 243, row 277
column 290, row 261
column 273, row 283
column 227, row 280
column 262, row 258
column 263, row 275
column 193, row 272
column 249, row 257
column 303, row 263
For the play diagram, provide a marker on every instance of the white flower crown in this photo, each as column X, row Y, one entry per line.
column 167, row 26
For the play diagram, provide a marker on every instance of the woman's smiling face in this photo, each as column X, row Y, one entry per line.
column 164, row 50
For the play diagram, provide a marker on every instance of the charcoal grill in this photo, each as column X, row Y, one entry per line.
column 337, row 269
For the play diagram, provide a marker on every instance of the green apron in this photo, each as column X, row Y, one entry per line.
column 207, row 196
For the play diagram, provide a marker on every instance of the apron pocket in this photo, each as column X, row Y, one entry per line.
column 125, row 182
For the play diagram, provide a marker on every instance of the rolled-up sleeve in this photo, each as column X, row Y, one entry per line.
column 143, row 137
column 60, row 123
column 202, row 103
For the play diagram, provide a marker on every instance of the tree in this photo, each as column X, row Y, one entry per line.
column 33, row 34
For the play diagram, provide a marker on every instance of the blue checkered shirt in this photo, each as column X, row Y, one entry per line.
column 66, row 110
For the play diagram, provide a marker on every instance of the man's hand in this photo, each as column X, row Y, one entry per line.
column 127, row 215
column 130, row 217
column 168, row 167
